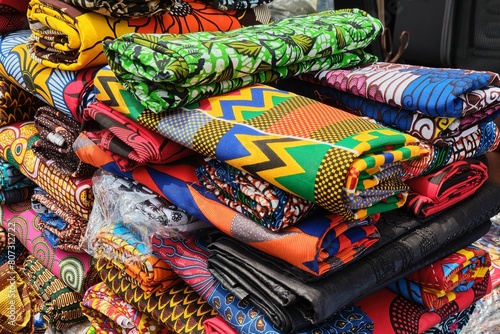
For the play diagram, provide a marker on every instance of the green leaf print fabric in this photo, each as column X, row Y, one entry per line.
column 165, row 71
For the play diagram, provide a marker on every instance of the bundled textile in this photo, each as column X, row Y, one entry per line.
column 255, row 198
column 67, row 91
column 13, row 15
column 14, row 186
column 61, row 305
column 108, row 313
column 443, row 281
column 168, row 70
column 129, row 143
column 180, row 309
column 125, row 9
column 447, row 186
column 69, row 38
column 327, row 241
column 74, row 269
column 15, row 147
column 217, row 325
column 57, row 133
column 454, row 323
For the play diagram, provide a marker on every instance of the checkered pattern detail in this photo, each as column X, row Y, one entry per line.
column 182, row 126
column 330, row 181
column 150, row 120
column 277, row 112
column 343, row 129
column 207, row 138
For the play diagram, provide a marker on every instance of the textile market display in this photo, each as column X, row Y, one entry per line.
column 13, row 16
column 69, row 38
column 165, row 71
column 15, row 147
column 447, row 186
column 71, row 268
column 125, row 9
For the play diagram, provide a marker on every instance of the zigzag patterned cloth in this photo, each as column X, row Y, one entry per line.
column 69, row 38
column 164, row 71
column 110, row 314
column 180, row 308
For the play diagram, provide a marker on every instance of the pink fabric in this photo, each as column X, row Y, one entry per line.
column 217, row 325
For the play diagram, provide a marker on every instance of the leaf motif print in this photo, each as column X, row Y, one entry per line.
column 246, row 48
column 341, row 41
column 306, row 43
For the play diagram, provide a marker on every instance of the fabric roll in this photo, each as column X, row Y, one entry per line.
column 164, row 71
column 67, row 91
column 180, row 308
column 61, row 305
column 69, row 38
column 125, row 9
column 129, row 143
column 72, row 268
column 57, row 133
column 441, row 282
column 13, row 15
column 11, row 177
column 325, row 245
column 19, row 301
column 108, row 313
column 15, row 147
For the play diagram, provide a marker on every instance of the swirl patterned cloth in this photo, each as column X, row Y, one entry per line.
column 125, row 8
column 13, row 16
column 69, row 38
column 15, row 147
column 168, row 70
column 73, row 269
column 110, row 314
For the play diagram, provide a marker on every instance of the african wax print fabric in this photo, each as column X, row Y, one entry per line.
column 108, row 313
column 441, row 282
column 15, row 103
column 3, row 238
column 446, row 187
column 125, row 9
column 217, row 325
column 13, row 16
column 15, row 147
column 15, row 195
column 180, row 308
column 69, row 38
column 129, row 143
column 392, row 313
column 18, row 301
column 189, row 257
column 236, row 4
column 11, row 177
column 352, row 166
column 71, row 268
column 168, row 70
column 62, row 228
column 453, row 323
column 11, row 252
column 321, row 236
column 67, row 91
column 57, row 133
column 255, row 198
column 450, row 231
column 120, row 245
column 61, row 305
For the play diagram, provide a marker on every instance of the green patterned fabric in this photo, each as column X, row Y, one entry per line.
column 165, row 71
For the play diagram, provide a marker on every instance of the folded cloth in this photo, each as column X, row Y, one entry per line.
column 11, row 177
column 15, row 147
column 61, row 305
column 13, row 252
column 165, row 71
column 13, row 15
column 449, row 185
column 19, row 301
column 441, row 282
column 189, row 258
column 125, row 9
column 110, row 314
column 217, row 325
column 118, row 244
column 15, row 195
column 392, row 313
column 327, row 241
column 129, row 143
column 15, row 103
column 236, row 4
column 69, row 38
column 255, row 198
column 454, row 323
column 57, row 133
column 74, row 269
column 180, row 308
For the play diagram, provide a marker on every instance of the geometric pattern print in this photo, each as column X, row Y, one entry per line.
column 180, row 308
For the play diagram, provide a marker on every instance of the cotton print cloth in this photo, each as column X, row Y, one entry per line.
column 125, row 9
column 449, row 185
column 14, row 186
column 168, row 70
column 180, row 309
column 454, row 323
column 217, row 325
column 236, row 4
column 110, row 314
column 69, row 38
column 13, row 15
column 71, row 268
column 441, row 282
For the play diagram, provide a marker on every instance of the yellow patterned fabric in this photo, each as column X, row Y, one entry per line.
column 18, row 301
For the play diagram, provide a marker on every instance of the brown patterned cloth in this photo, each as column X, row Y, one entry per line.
column 16, row 104
column 13, row 15
column 125, row 8
column 55, row 147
